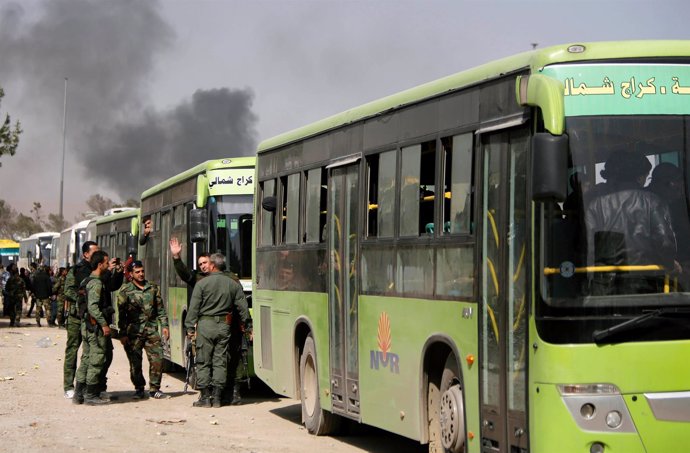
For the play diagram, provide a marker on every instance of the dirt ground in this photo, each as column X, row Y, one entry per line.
column 35, row 417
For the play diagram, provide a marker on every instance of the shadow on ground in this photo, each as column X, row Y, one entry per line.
column 367, row 438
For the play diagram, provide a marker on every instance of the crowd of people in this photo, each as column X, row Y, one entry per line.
column 79, row 299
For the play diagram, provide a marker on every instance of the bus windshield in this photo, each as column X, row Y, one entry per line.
column 619, row 246
column 232, row 229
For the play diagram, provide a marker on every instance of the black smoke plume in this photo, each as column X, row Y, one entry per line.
column 108, row 51
column 133, row 156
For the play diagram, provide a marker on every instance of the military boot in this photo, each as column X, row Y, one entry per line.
column 78, row 397
column 217, row 396
column 236, row 396
column 92, row 396
column 204, row 398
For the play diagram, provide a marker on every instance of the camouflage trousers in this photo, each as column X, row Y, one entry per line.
column 15, row 310
column 60, row 316
column 43, row 306
column 151, row 342
column 74, row 339
column 212, row 338
column 97, row 352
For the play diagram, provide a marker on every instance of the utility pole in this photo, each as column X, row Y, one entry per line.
column 64, row 132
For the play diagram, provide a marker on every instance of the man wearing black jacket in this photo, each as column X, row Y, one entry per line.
column 42, row 290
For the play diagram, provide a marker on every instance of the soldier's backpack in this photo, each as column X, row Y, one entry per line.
column 83, row 298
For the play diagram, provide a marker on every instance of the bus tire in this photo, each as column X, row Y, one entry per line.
column 317, row 421
column 446, row 411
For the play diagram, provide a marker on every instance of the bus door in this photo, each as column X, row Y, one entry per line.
column 343, row 190
column 165, row 258
column 504, row 292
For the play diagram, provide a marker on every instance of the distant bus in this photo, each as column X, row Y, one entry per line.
column 116, row 233
column 427, row 263
column 69, row 247
column 209, row 209
column 36, row 249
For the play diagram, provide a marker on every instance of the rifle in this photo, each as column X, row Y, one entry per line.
column 189, row 353
column 244, row 352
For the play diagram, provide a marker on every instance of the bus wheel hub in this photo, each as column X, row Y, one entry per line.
column 451, row 418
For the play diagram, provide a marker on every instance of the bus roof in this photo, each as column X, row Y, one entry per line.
column 128, row 214
column 231, row 162
column 78, row 225
column 41, row 235
column 535, row 59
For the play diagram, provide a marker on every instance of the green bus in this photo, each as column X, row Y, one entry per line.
column 209, row 209
column 116, row 232
column 432, row 263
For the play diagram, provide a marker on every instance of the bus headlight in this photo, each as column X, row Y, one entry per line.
column 597, row 407
column 614, row 419
column 587, row 411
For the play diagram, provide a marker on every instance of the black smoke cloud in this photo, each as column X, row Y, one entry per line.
column 108, row 51
column 213, row 124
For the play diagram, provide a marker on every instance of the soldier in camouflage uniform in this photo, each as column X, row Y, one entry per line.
column 141, row 309
column 59, row 291
column 15, row 291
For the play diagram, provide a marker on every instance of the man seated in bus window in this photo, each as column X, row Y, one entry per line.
column 628, row 225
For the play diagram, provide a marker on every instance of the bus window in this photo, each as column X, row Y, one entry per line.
column 457, row 206
column 268, row 189
column 315, row 206
column 291, row 221
column 417, row 189
column 385, row 220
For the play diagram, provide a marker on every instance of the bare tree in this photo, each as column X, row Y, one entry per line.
column 99, row 204
column 9, row 137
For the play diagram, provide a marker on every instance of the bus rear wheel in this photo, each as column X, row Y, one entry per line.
column 317, row 421
column 446, row 411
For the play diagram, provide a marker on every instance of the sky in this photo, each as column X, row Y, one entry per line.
column 155, row 87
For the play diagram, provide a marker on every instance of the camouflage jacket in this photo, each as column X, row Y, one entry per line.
column 15, row 288
column 59, row 288
column 140, row 308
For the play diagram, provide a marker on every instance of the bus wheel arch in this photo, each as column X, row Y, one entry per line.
column 444, row 428
column 301, row 332
column 317, row 420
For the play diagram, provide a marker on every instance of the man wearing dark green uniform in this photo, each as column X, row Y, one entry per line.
column 74, row 277
column 231, row 394
column 214, row 299
column 95, row 331
column 141, row 309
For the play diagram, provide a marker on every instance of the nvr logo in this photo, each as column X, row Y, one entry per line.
column 383, row 358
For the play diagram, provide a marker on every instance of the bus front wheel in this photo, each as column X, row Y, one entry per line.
column 446, row 411
column 317, row 421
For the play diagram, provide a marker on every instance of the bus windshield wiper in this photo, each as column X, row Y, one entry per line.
column 600, row 335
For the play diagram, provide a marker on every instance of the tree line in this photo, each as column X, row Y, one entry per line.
column 17, row 225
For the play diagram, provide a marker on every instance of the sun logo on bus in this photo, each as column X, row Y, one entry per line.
column 384, row 334
column 383, row 357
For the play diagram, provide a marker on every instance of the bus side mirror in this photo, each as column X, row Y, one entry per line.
column 549, row 167
column 198, row 225
column 269, row 204
column 132, row 246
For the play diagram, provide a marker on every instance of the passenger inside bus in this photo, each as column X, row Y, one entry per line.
column 667, row 184
column 628, row 226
